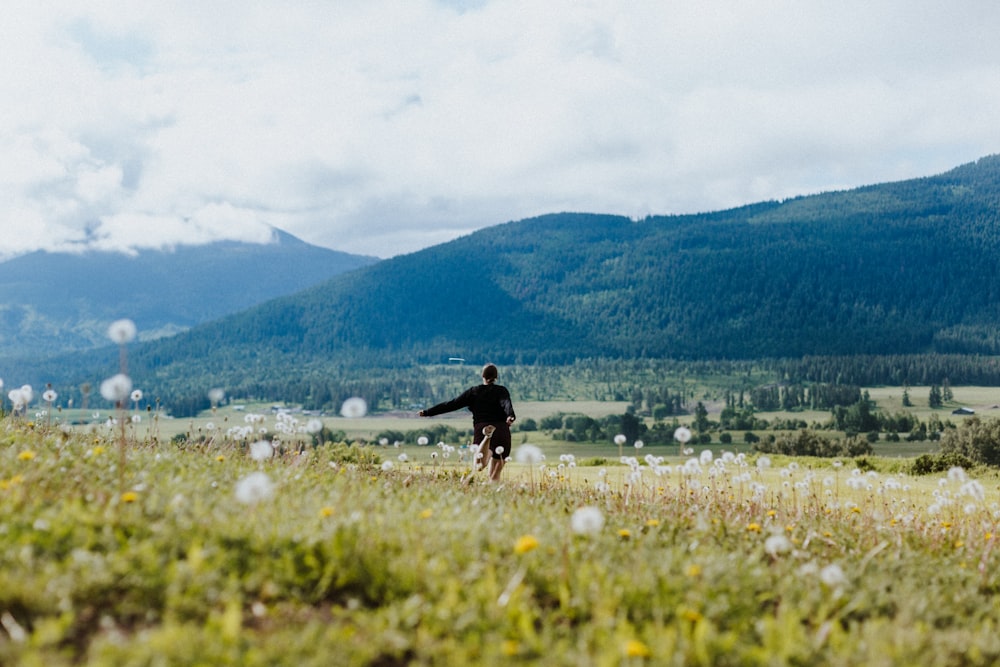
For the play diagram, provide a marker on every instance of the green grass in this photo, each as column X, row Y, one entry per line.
column 358, row 558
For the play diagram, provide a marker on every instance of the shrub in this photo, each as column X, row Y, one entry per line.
column 975, row 439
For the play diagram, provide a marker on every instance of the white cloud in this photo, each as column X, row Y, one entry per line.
column 385, row 126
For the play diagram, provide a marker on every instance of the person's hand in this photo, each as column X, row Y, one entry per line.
column 421, row 414
column 510, row 420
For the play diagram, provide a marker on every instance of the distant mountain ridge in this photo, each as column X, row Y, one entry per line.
column 898, row 268
column 58, row 302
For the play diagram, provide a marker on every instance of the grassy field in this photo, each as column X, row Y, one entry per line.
column 119, row 551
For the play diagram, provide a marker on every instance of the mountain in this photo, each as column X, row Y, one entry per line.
column 58, row 302
column 897, row 268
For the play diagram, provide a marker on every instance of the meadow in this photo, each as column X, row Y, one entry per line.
column 125, row 547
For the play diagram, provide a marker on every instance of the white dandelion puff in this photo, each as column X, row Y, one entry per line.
column 122, row 331
column 775, row 545
column 261, row 450
column 529, row 454
column 116, row 388
column 253, row 488
column 354, row 407
column 620, row 439
column 587, row 520
column 422, row 441
column 386, row 466
column 49, row 396
column 682, row 435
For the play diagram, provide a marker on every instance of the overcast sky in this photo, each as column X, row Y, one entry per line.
column 384, row 127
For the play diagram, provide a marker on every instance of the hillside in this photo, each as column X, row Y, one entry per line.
column 58, row 302
column 898, row 268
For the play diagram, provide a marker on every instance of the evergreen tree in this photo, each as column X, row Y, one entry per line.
column 934, row 400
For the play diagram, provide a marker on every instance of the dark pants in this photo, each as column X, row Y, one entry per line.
column 501, row 438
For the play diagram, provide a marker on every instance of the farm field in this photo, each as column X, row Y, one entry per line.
column 124, row 552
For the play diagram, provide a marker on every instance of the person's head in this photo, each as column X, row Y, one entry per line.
column 489, row 373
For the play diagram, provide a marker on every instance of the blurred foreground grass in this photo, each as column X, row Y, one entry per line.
column 352, row 556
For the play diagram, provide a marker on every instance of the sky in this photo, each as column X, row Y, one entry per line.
column 383, row 127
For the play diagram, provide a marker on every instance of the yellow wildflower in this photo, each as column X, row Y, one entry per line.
column 510, row 647
column 98, row 450
column 525, row 543
column 426, row 514
column 652, row 523
column 693, row 570
column 326, row 511
column 624, row 533
column 220, row 458
column 26, row 455
column 636, row 649
column 130, row 497
column 753, row 527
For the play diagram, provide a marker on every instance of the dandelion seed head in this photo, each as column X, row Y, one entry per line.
column 386, row 466
column 136, row 395
column 354, row 407
column 957, row 474
column 638, row 444
column 586, row 520
column 314, row 426
column 116, row 388
column 529, row 454
column 775, row 545
column 833, row 576
column 422, row 441
column 682, row 435
column 254, row 488
column 763, row 462
column 620, row 439
column 261, row 450
column 122, row 331
column 216, row 395
column 403, row 458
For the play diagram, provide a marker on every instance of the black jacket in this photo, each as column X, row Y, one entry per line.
column 490, row 403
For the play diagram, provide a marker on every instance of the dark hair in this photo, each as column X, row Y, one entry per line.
column 490, row 372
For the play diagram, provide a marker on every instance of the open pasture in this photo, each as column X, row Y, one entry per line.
column 223, row 553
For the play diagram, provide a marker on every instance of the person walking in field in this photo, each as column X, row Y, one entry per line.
column 491, row 407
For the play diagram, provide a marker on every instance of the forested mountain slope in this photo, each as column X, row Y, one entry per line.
column 898, row 268
column 57, row 302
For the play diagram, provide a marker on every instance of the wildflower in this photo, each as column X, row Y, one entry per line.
column 652, row 523
column 136, row 395
column 693, row 570
column 253, row 488
column 220, row 458
column 116, row 388
column 529, row 454
column 130, row 497
column 753, row 527
column 261, row 450
column 636, row 649
column 525, row 543
column 625, row 533
column 587, row 520
column 354, row 407
column 422, row 441
column 386, row 466
column 49, row 396
column 122, row 331
column 314, row 426
column 776, row 545
column 682, row 435
column 638, row 444
column 510, row 647
column 620, row 439
column 326, row 512
column 98, row 450
column 403, row 458
column 426, row 514
column 26, row 455
column 216, row 395
column 763, row 462
column 833, row 576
